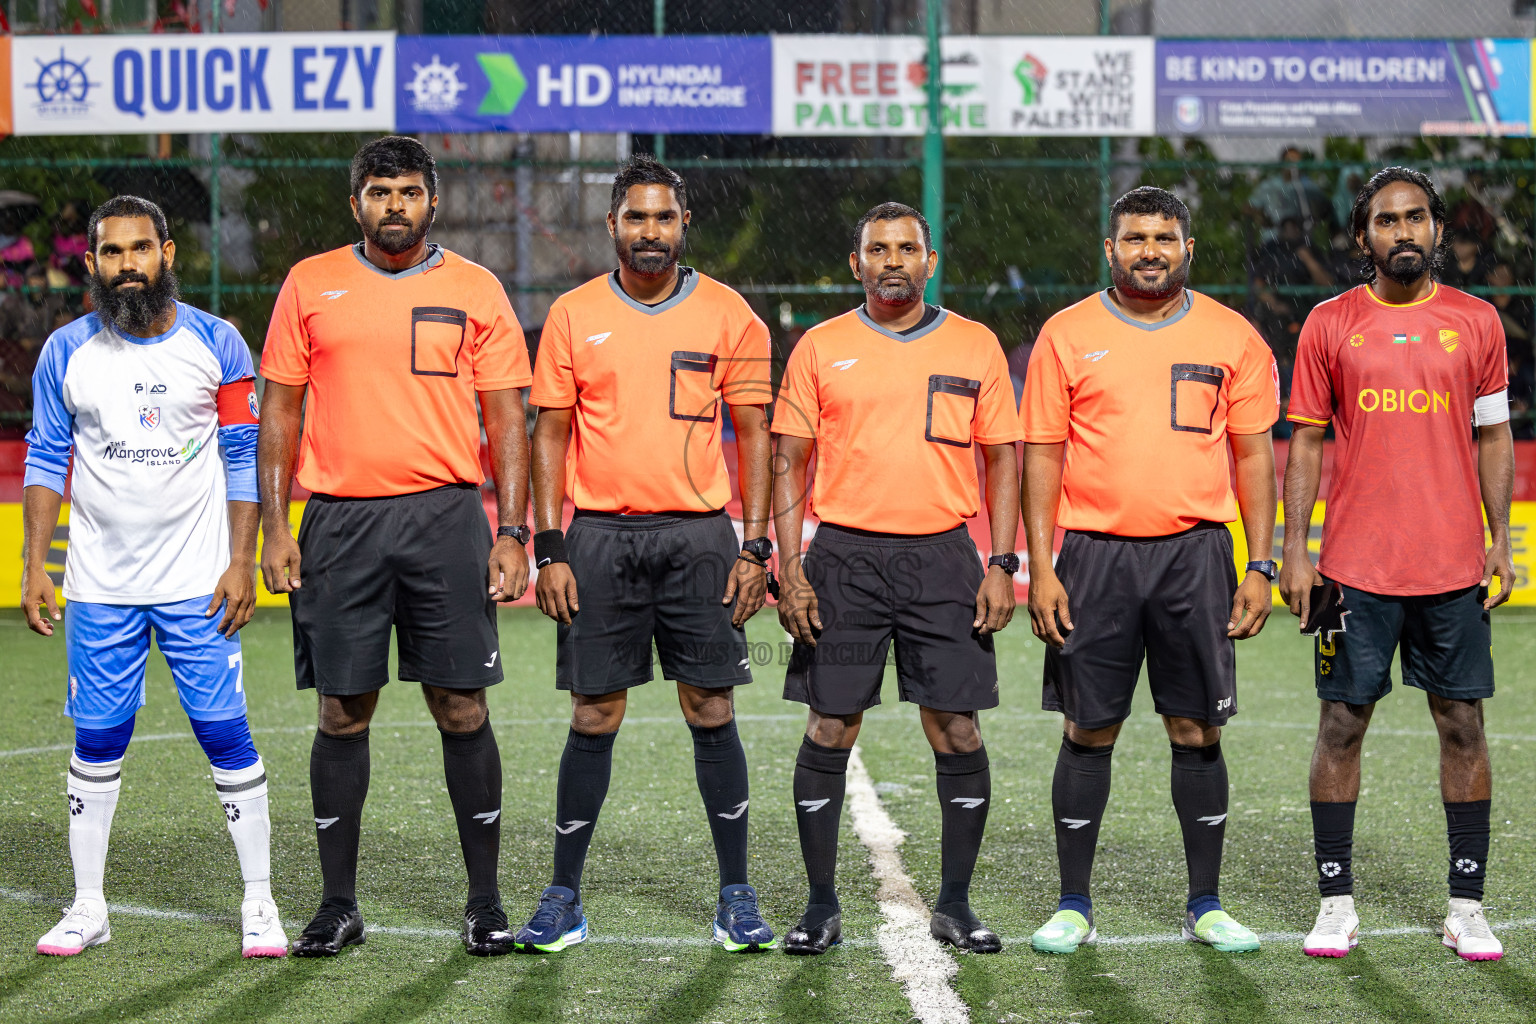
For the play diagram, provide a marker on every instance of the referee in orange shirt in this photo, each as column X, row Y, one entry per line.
column 391, row 340
column 637, row 370
column 894, row 398
column 1143, row 388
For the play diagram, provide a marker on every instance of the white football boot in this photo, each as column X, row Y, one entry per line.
column 261, row 933
column 84, row 925
column 1337, row 929
column 1467, row 932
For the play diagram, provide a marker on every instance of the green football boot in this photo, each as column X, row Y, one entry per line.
column 1217, row 930
column 1063, row 933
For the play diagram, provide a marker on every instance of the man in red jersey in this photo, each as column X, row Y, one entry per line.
column 1402, row 367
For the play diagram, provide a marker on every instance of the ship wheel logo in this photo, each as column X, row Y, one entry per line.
column 62, row 81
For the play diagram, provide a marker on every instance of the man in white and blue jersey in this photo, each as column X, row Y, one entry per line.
column 156, row 402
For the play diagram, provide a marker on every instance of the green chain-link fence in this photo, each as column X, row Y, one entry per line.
column 1024, row 219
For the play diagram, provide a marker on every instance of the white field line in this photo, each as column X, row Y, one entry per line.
column 917, row 960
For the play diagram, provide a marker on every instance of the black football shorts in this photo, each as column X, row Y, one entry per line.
column 1446, row 642
column 643, row 579
column 416, row 563
column 873, row 589
column 1165, row 599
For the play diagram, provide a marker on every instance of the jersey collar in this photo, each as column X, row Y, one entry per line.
column 690, row 279
column 434, row 259
column 1109, row 304
column 1434, row 293
column 921, row 332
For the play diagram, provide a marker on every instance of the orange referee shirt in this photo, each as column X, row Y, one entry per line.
column 1145, row 410
column 392, row 363
column 646, row 384
column 894, row 418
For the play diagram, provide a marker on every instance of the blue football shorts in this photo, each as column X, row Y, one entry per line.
column 108, row 645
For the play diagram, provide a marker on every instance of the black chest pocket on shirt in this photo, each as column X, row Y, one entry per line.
column 437, row 337
column 1198, row 388
column 692, row 395
column 951, row 410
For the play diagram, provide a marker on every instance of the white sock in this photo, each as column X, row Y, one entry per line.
column 92, row 790
column 243, row 794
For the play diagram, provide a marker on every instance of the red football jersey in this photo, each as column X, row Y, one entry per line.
column 1404, row 512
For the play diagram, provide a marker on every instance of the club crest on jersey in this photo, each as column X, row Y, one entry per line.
column 149, row 416
column 1449, row 340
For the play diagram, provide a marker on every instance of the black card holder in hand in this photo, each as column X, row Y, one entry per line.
column 1325, row 615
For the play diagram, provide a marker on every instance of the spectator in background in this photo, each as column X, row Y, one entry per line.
column 1290, row 195
column 16, row 255
column 26, row 320
column 1470, row 214
column 1288, row 260
column 1351, row 181
column 66, row 262
column 1468, row 266
column 1515, row 311
column 1522, row 393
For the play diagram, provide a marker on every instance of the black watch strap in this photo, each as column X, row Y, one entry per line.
column 1008, row 562
column 760, row 548
column 521, row 534
column 1267, row 567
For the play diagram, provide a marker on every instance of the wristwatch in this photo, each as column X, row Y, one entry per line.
column 1268, row 567
column 759, row 548
column 1009, row 562
column 517, row 533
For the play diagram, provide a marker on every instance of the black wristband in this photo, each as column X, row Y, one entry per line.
column 548, row 548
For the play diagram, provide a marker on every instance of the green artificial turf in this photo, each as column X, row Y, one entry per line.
column 649, row 885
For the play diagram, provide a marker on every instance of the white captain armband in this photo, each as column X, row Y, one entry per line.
column 1491, row 409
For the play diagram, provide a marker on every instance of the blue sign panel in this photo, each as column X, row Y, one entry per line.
column 1344, row 87
column 675, row 85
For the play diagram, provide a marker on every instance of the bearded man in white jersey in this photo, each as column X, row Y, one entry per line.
column 162, row 541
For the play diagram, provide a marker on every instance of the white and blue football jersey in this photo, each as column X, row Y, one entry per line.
column 154, row 460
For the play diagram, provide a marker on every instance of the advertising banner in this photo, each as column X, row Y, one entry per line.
column 245, row 82
column 1344, row 87
column 992, row 85
column 5, row 86
column 677, row 84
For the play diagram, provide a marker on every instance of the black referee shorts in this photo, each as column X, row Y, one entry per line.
column 650, row 578
column 414, row 562
column 873, row 588
column 1167, row 599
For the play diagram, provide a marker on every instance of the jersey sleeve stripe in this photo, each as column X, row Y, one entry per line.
column 1305, row 419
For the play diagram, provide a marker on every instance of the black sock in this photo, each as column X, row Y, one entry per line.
column 1466, row 826
column 1199, row 784
column 472, row 767
column 1079, row 793
column 585, row 769
column 1333, row 844
column 338, row 787
column 720, row 764
column 821, row 777
column 965, row 793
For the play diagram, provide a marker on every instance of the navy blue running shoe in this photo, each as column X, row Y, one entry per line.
column 558, row 923
column 739, row 927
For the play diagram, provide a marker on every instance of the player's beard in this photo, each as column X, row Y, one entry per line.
column 135, row 310
column 1404, row 271
column 1125, row 282
column 396, row 243
column 649, row 258
column 892, row 293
